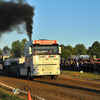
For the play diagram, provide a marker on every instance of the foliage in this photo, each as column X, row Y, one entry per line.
column 16, row 49
column 62, row 45
column 18, row 52
column 80, row 49
column 95, row 49
column 66, row 51
column 6, row 48
column 0, row 52
column 23, row 46
column 6, row 96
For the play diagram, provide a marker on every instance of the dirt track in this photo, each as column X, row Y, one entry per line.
column 63, row 88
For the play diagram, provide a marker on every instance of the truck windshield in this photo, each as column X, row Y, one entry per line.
column 45, row 50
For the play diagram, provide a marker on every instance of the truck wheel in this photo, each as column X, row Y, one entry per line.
column 29, row 76
column 54, row 77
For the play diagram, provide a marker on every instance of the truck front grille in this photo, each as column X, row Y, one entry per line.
column 47, row 68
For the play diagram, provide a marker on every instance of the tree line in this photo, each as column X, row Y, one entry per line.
column 80, row 49
column 17, row 49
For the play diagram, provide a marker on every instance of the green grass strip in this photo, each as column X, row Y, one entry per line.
column 89, row 75
column 6, row 96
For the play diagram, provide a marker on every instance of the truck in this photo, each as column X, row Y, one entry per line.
column 5, row 54
column 42, row 58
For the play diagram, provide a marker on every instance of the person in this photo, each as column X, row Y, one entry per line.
column 50, row 51
column 36, row 51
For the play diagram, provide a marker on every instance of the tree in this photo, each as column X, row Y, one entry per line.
column 95, row 49
column 66, row 51
column 18, row 52
column 16, row 49
column 6, row 48
column 23, row 43
column 23, row 46
column 0, row 52
column 62, row 45
column 80, row 49
column 71, row 49
column 63, row 54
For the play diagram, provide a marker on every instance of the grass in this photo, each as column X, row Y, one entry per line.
column 6, row 96
column 89, row 75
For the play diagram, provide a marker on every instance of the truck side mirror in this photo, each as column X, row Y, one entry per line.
column 30, row 50
column 59, row 49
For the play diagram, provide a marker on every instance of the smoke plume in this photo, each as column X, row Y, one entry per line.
column 14, row 13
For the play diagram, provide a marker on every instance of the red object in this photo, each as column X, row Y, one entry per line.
column 47, row 56
column 29, row 96
column 76, row 74
column 45, row 42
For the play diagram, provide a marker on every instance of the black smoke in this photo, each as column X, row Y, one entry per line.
column 14, row 13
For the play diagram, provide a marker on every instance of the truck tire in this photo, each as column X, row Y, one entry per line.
column 29, row 76
column 53, row 76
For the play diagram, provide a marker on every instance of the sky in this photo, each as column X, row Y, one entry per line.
column 70, row 22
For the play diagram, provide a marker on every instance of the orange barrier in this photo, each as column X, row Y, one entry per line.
column 29, row 96
column 76, row 74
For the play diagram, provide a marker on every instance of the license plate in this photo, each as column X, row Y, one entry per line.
column 47, row 73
